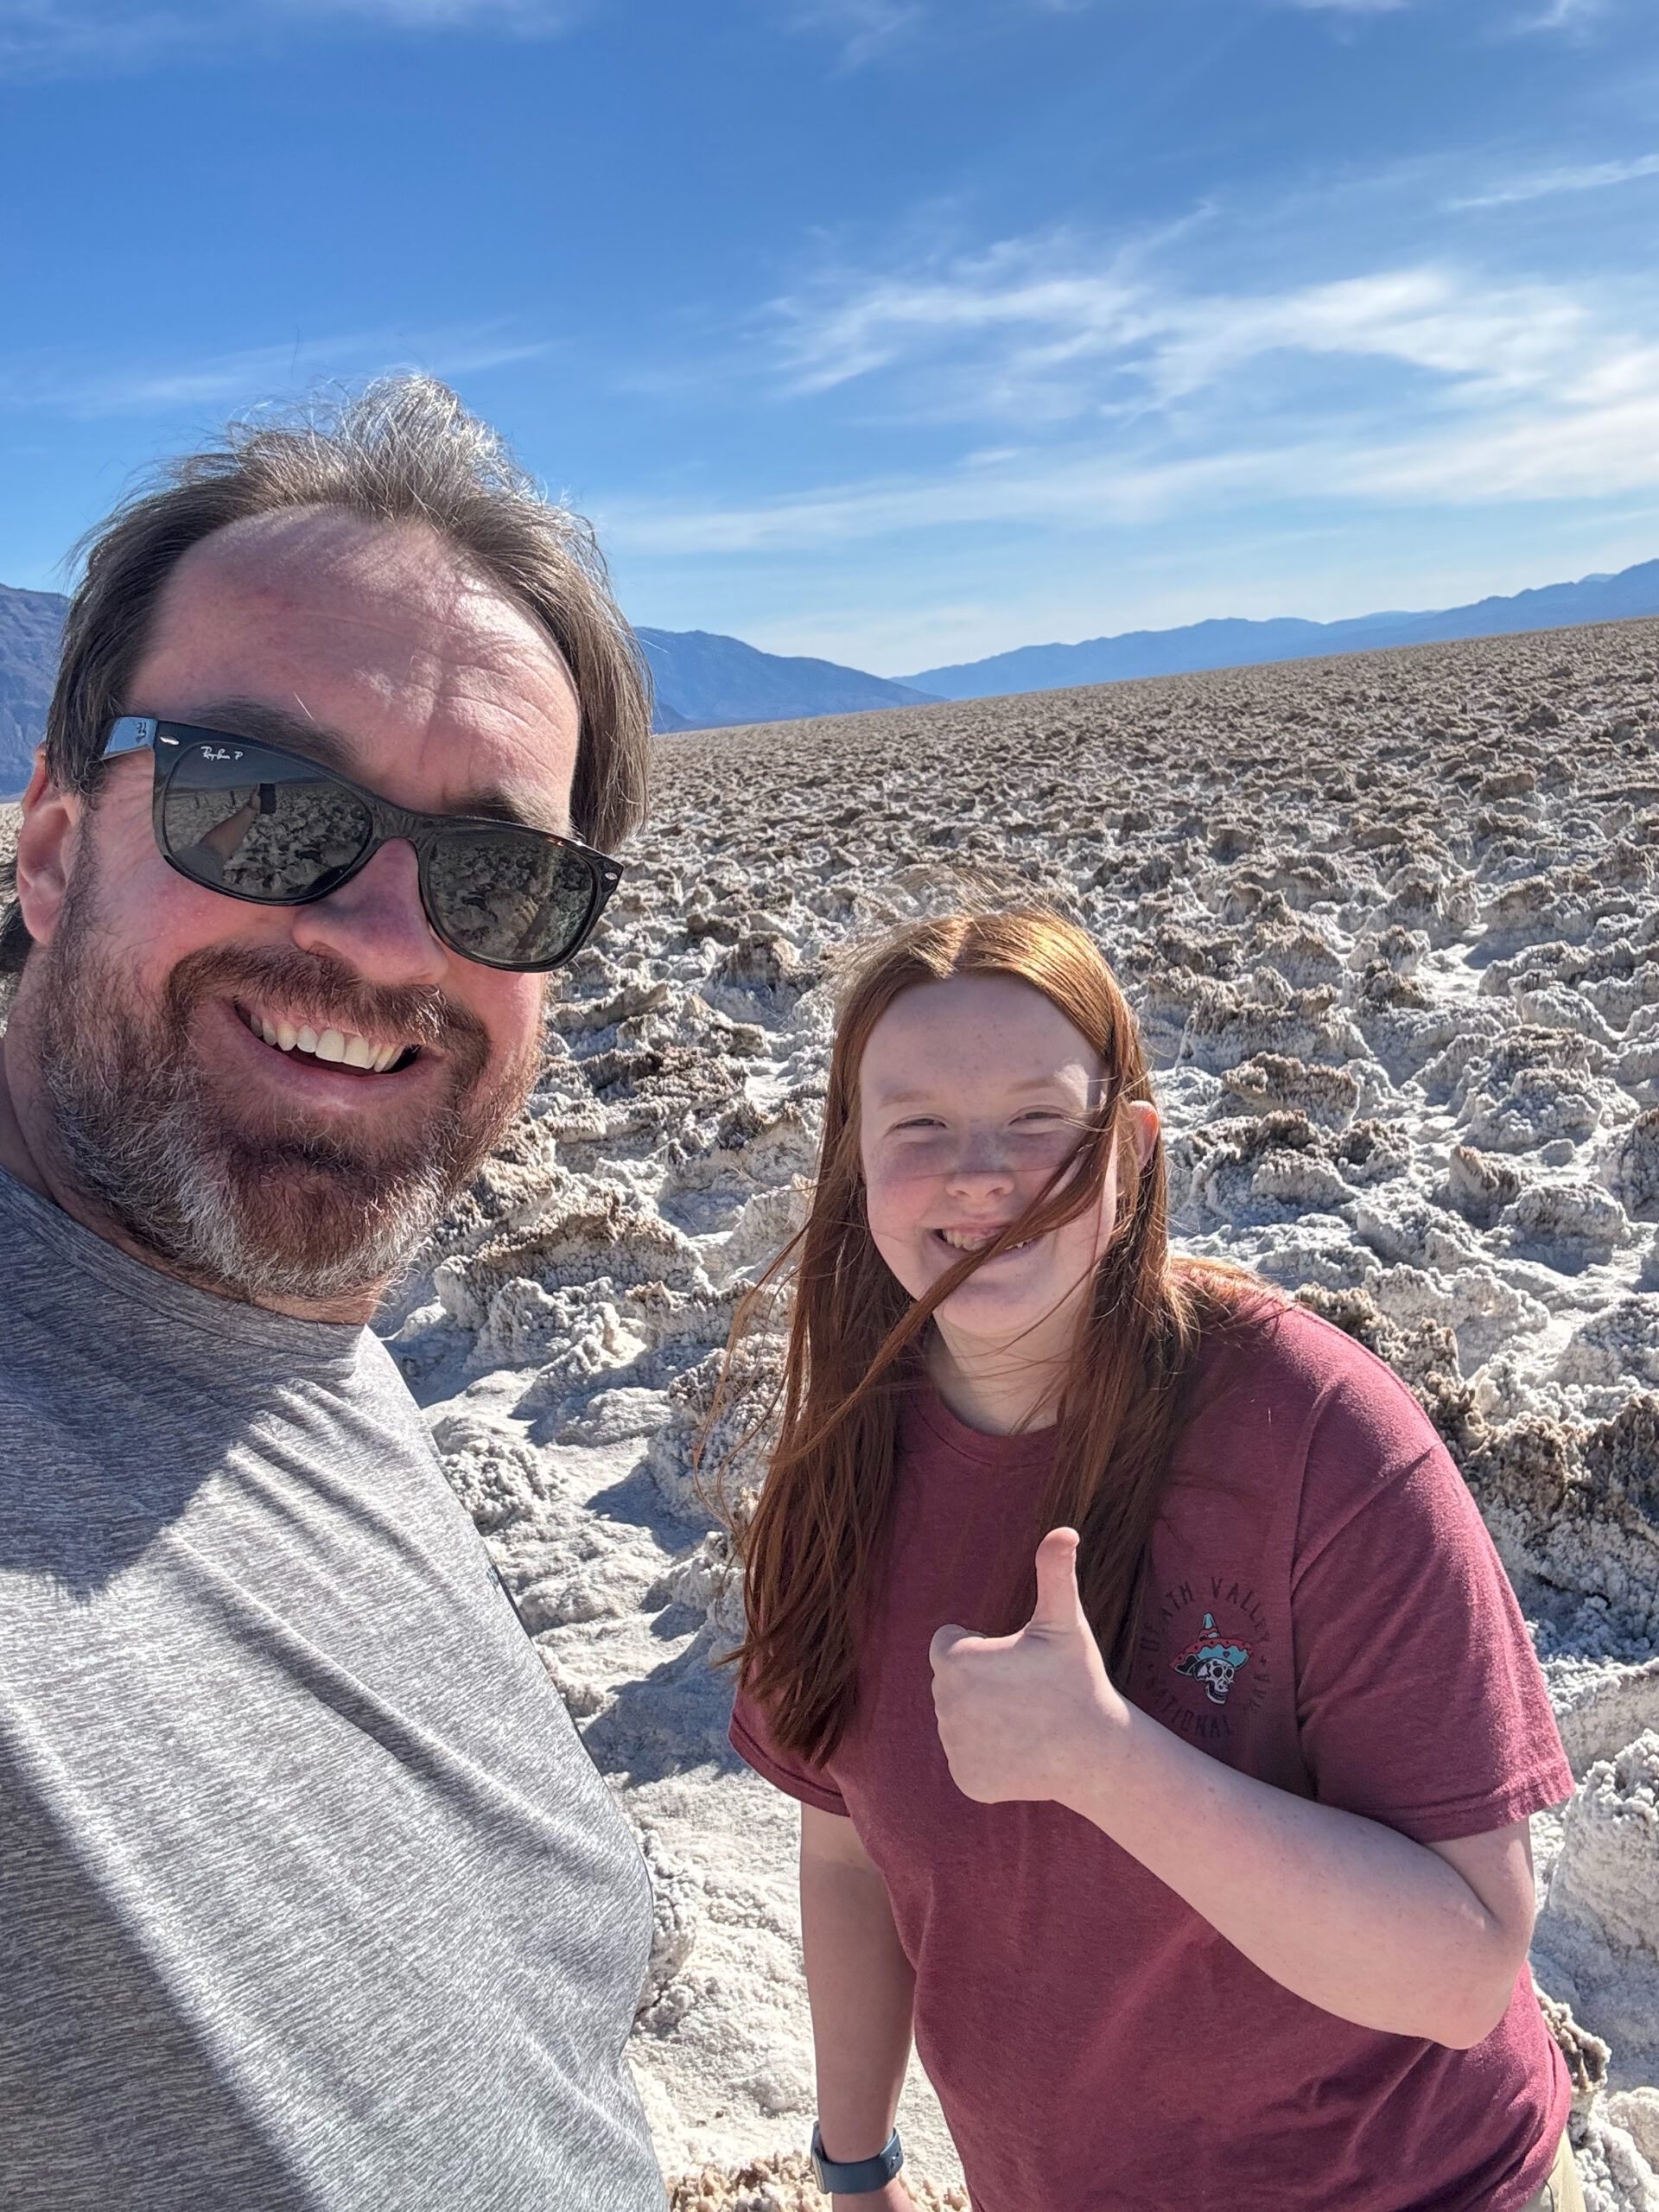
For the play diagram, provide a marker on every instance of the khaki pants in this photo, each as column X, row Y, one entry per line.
column 1561, row 2193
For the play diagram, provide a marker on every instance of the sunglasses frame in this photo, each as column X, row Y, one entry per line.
column 169, row 742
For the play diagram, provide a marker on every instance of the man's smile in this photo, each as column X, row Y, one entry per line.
column 319, row 1040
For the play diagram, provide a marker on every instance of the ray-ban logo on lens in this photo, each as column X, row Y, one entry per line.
column 220, row 752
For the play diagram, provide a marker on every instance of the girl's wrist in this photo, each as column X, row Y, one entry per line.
column 1103, row 1755
column 864, row 2176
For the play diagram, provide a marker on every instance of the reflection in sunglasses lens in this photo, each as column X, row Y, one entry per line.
column 285, row 837
column 497, row 895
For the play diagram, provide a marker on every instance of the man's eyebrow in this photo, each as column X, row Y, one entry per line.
column 267, row 725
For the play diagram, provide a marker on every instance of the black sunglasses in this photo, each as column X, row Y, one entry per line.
column 270, row 827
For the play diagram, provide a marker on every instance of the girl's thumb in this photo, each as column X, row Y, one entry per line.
column 1057, row 1602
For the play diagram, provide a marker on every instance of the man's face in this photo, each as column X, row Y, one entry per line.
column 283, row 1175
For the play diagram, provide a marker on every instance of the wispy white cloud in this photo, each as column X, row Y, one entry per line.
column 73, row 37
column 867, row 30
column 862, row 29
column 1542, row 184
column 1543, row 456
column 1083, row 490
column 1067, row 487
column 61, row 386
column 1567, row 16
column 1132, row 400
column 1036, row 330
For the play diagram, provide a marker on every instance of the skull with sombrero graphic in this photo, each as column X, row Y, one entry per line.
column 1212, row 1659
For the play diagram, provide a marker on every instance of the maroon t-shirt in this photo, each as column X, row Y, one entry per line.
column 1327, row 1613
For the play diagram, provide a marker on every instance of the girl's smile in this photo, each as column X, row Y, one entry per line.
column 976, row 1239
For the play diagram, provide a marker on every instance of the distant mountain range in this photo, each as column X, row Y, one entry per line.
column 1245, row 645
column 29, row 624
column 707, row 682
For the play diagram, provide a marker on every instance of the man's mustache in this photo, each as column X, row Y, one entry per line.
column 328, row 988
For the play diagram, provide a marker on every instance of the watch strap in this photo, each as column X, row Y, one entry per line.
column 855, row 2177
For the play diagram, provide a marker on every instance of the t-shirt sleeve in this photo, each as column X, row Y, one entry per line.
column 1420, row 1701
column 752, row 1740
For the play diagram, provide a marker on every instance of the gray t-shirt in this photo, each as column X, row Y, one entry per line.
column 310, row 1894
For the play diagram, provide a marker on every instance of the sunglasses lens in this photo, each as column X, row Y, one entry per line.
column 259, row 825
column 509, row 897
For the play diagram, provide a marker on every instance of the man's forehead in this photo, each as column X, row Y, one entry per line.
column 296, row 576
column 375, row 648
column 294, row 548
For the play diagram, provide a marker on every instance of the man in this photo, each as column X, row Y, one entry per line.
column 309, row 1897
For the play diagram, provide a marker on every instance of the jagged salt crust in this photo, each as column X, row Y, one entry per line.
column 1392, row 926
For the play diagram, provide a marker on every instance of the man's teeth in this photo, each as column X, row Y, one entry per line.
column 344, row 1045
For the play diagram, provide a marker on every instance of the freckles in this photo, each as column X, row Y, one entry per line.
column 889, row 1191
column 891, row 1232
column 910, row 1177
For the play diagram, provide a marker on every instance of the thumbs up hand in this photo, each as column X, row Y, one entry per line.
column 1035, row 1714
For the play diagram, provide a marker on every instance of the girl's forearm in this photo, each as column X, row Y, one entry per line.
column 862, row 1995
column 1346, row 1913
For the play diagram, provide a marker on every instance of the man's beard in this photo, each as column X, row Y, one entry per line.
column 285, row 1213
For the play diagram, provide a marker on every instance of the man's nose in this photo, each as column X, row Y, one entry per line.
column 376, row 923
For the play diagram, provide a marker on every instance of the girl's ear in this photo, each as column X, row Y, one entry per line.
column 1144, row 1117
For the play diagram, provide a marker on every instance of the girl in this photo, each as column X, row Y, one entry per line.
column 1197, row 1862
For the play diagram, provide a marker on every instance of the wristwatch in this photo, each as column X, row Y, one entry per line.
column 855, row 2177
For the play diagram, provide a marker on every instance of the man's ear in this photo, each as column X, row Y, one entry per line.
column 46, row 850
column 1144, row 1116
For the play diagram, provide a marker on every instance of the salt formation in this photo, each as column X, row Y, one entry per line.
column 1391, row 924
column 784, row 2184
column 1597, row 1941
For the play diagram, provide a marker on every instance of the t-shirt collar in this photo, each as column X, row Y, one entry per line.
column 161, row 1305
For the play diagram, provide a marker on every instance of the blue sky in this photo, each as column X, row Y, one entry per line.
column 899, row 331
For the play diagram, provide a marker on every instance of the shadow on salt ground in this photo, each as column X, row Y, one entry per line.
column 675, row 1621
column 671, row 1721
column 637, row 1501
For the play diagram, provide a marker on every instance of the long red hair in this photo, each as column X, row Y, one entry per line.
column 815, row 1549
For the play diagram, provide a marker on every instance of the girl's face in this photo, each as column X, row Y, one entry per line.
column 972, row 1092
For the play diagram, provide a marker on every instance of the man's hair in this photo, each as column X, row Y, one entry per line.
column 403, row 450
